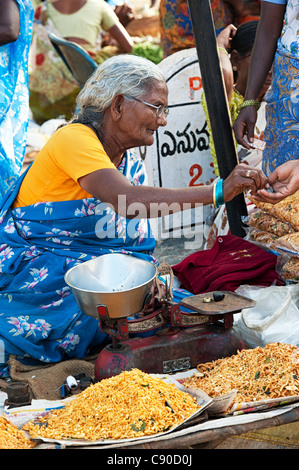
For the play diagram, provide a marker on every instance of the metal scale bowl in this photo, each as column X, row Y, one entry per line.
column 133, row 301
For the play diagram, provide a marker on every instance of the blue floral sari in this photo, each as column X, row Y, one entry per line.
column 40, row 320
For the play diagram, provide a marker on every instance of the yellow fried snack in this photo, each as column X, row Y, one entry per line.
column 268, row 223
column 290, row 269
column 256, row 374
column 129, row 405
column 265, row 238
column 289, row 242
column 288, row 210
column 11, row 437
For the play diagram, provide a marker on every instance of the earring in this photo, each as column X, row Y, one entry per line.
column 235, row 68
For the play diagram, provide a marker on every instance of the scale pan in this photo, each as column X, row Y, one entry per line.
column 120, row 282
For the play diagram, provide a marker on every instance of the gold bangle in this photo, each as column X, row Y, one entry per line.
column 214, row 195
column 223, row 50
column 255, row 103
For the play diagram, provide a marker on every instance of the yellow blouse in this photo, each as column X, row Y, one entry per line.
column 71, row 152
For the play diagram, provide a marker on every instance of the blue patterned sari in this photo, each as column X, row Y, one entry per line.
column 14, row 99
column 40, row 320
column 282, row 111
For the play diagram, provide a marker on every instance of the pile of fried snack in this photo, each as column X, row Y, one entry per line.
column 134, row 403
column 261, row 373
column 11, row 437
column 129, row 405
column 277, row 227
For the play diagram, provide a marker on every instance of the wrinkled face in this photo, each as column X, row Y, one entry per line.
column 140, row 120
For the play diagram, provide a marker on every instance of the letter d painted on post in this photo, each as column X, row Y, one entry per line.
column 195, row 83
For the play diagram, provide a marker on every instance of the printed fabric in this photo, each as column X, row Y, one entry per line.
column 40, row 320
column 176, row 26
column 282, row 112
column 14, row 99
column 290, row 30
column 53, row 89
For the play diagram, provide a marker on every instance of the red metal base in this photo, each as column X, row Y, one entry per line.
column 165, row 353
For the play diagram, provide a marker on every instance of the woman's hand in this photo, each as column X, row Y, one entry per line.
column 243, row 178
column 225, row 36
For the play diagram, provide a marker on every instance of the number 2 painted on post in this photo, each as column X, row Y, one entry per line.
column 195, row 171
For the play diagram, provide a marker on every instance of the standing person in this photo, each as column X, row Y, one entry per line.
column 235, row 48
column 15, row 39
column 277, row 38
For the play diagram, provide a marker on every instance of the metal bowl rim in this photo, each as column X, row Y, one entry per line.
column 111, row 292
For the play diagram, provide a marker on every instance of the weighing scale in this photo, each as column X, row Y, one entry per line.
column 132, row 299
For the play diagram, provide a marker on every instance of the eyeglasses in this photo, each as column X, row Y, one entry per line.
column 159, row 109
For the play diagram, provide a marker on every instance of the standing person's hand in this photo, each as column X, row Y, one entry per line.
column 284, row 181
column 124, row 13
column 244, row 126
column 225, row 36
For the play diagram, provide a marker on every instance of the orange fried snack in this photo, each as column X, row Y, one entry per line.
column 11, row 437
column 256, row 374
column 131, row 404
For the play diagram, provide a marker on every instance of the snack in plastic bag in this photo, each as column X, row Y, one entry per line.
column 288, row 210
column 268, row 223
column 289, row 242
column 264, row 206
column 290, row 270
column 265, row 238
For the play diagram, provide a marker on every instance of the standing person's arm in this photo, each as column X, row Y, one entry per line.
column 223, row 42
column 9, row 21
column 119, row 33
column 268, row 32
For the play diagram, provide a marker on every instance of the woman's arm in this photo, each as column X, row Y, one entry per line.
column 111, row 187
column 268, row 32
column 9, row 21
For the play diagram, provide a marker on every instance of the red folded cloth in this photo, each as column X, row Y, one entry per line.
column 230, row 263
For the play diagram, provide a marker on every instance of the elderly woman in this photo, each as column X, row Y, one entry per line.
column 73, row 203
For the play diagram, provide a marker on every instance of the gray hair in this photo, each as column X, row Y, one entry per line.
column 126, row 74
